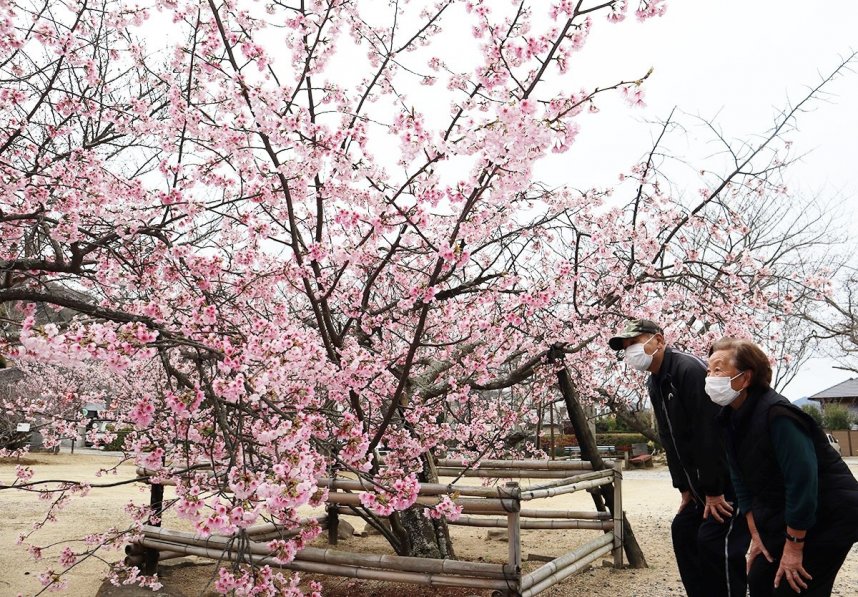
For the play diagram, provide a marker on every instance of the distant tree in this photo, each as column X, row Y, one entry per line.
column 814, row 412
column 836, row 416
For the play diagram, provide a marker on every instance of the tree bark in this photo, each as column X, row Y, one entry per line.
column 589, row 451
column 421, row 537
column 418, row 535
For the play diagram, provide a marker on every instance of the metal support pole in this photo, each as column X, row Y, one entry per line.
column 333, row 523
column 156, row 502
column 553, row 450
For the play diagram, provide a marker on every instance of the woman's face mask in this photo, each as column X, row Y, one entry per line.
column 636, row 357
column 720, row 389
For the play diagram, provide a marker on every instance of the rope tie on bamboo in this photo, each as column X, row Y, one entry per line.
column 511, row 495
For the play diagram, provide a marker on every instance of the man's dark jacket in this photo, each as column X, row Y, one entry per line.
column 752, row 456
column 687, row 425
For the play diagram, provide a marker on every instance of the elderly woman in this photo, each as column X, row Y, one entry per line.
column 799, row 497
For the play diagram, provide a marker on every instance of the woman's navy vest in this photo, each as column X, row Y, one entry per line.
column 750, row 451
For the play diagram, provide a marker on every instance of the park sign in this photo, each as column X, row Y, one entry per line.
column 22, row 427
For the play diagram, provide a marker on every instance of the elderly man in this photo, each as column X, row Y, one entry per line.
column 710, row 540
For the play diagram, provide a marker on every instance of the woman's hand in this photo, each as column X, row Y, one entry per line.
column 756, row 549
column 717, row 506
column 757, row 546
column 791, row 567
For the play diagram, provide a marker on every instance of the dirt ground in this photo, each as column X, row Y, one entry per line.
column 648, row 499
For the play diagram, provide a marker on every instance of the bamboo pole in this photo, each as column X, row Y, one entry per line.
column 347, row 511
column 469, row 506
column 568, row 465
column 567, row 559
column 499, row 469
column 426, row 489
column 590, row 517
column 566, row 572
column 503, row 473
column 338, row 570
column 571, row 488
column 148, row 472
column 527, row 513
column 336, row 557
column 499, row 523
column 270, row 528
column 136, row 559
column 574, row 479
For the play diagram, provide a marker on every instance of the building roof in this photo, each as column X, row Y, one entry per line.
column 845, row 389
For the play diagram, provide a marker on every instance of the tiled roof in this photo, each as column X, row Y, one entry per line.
column 845, row 389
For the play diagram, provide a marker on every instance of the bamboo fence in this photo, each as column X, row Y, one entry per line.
column 491, row 507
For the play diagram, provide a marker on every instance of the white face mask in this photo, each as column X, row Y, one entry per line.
column 720, row 391
column 636, row 357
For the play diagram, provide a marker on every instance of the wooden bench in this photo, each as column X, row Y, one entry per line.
column 576, row 450
column 642, row 461
column 604, row 451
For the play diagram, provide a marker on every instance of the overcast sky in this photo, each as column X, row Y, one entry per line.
column 742, row 61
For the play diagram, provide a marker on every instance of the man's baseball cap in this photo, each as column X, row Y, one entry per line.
column 634, row 328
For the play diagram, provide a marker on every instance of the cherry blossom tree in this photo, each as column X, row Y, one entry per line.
column 316, row 226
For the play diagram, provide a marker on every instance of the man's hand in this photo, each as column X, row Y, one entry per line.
column 718, row 507
column 686, row 499
column 791, row 567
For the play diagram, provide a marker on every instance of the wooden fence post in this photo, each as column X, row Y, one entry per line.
column 514, row 529
column 618, row 516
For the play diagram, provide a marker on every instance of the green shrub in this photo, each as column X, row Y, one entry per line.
column 602, row 439
column 620, row 439
column 118, row 442
column 836, row 416
column 814, row 411
column 611, row 424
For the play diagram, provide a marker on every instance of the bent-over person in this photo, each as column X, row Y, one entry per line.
column 799, row 497
column 710, row 539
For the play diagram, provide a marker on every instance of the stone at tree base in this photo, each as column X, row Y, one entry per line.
column 497, row 535
column 536, row 557
column 345, row 530
column 371, row 530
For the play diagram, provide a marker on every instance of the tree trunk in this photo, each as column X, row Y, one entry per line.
column 589, row 451
column 419, row 536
